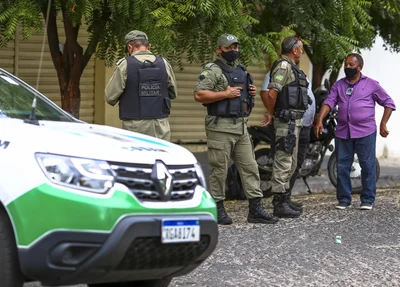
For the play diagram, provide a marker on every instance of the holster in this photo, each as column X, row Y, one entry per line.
column 288, row 143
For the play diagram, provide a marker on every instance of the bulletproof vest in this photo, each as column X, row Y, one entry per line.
column 146, row 91
column 237, row 107
column 293, row 96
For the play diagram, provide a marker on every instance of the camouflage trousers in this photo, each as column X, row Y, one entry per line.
column 284, row 163
column 224, row 146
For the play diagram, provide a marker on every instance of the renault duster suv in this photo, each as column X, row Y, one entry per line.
column 83, row 203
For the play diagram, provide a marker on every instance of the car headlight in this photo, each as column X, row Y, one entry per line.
column 200, row 175
column 79, row 173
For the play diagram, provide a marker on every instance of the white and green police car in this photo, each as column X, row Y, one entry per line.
column 83, row 203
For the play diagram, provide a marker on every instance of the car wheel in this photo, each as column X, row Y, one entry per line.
column 144, row 283
column 10, row 272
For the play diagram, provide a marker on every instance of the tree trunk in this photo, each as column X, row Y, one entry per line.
column 319, row 70
column 333, row 77
column 71, row 98
column 69, row 63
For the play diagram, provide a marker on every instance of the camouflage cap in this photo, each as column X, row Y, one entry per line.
column 226, row 40
column 135, row 35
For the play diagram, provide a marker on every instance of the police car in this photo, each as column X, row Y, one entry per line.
column 84, row 203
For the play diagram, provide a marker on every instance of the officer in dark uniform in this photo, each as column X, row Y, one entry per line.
column 286, row 102
column 144, row 86
column 227, row 90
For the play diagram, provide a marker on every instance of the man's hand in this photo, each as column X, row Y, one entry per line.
column 232, row 92
column 252, row 90
column 383, row 130
column 318, row 128
column 268, row 119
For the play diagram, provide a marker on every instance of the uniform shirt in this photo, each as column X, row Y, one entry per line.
column 116, row 85
column 154, row 127
column 308, row 117
column 213, row 79
column 282, row 74
column 356, row 110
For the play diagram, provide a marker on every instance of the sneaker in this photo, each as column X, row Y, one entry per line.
column 342, row 205
column 366, row 206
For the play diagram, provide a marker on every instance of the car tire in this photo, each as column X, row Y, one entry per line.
column 146, row 283
column 10, row 272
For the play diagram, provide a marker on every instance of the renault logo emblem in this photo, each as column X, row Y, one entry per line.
column 162, row 180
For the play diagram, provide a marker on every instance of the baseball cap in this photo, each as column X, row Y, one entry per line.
column 135, row 35
column 226, row 40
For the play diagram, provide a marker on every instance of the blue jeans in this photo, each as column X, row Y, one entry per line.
column 366, row 150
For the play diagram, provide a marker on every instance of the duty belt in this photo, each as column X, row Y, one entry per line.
column 287, row 115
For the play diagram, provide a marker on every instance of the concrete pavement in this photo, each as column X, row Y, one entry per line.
column 304, row 251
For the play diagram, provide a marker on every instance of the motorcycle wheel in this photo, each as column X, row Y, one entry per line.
column 355, row 174
column 262, row 157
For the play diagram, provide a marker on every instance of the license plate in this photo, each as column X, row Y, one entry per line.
column 176, row 231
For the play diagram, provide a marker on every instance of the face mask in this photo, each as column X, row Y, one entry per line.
column 350, row 73
column 230, row 56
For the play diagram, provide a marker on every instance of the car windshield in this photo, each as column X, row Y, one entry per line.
column 16, row 102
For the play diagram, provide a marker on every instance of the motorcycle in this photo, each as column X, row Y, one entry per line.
column 314, row 157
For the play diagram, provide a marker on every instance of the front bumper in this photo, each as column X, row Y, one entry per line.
column 133, row 251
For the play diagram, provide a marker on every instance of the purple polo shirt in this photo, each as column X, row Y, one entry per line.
column 356, row 113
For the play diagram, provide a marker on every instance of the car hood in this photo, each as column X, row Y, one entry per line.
column 93, row 141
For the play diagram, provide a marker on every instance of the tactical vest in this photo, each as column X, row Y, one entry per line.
column 237, row 107
column 293, row 96
column 146, row 91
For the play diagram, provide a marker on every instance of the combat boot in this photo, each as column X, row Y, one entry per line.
column 223, row 218
column 257, row 214
column 282, row 207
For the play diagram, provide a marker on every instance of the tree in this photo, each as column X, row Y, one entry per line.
column 174, row 27
column 330, row 29
column 386, row 20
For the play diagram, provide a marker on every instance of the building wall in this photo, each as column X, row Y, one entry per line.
column 187, row 116
column 23, row 59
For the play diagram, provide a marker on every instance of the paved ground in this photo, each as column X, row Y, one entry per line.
column 303, row 252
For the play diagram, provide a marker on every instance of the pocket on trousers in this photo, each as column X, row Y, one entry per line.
column 216, row 152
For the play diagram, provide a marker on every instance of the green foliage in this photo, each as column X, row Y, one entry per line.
column 330, row 28
column 386, row 20
column 189, row 27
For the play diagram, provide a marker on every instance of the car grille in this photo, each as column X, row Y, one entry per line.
column 138, row 178
column 150, row 253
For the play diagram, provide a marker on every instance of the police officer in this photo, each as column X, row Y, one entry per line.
column 304, row 138
column 227, row 90
column 286, row 102
column 144, row 86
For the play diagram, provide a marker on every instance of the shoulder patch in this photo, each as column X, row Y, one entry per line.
column 279, row 77
column 284, row 65
column 202, row 77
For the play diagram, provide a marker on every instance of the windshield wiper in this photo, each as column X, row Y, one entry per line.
column 32, row 117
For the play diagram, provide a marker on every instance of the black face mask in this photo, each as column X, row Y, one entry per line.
column 350, row 73
column 231, row 56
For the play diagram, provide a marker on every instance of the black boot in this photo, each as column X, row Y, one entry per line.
column 282, row 207
column 257, row 214
column 223, row 218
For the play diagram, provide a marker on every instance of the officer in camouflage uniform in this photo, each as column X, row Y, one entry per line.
column 226, row 89
column 144, row 85
column 286, row 102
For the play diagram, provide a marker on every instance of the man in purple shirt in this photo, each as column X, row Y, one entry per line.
column 356, row 96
